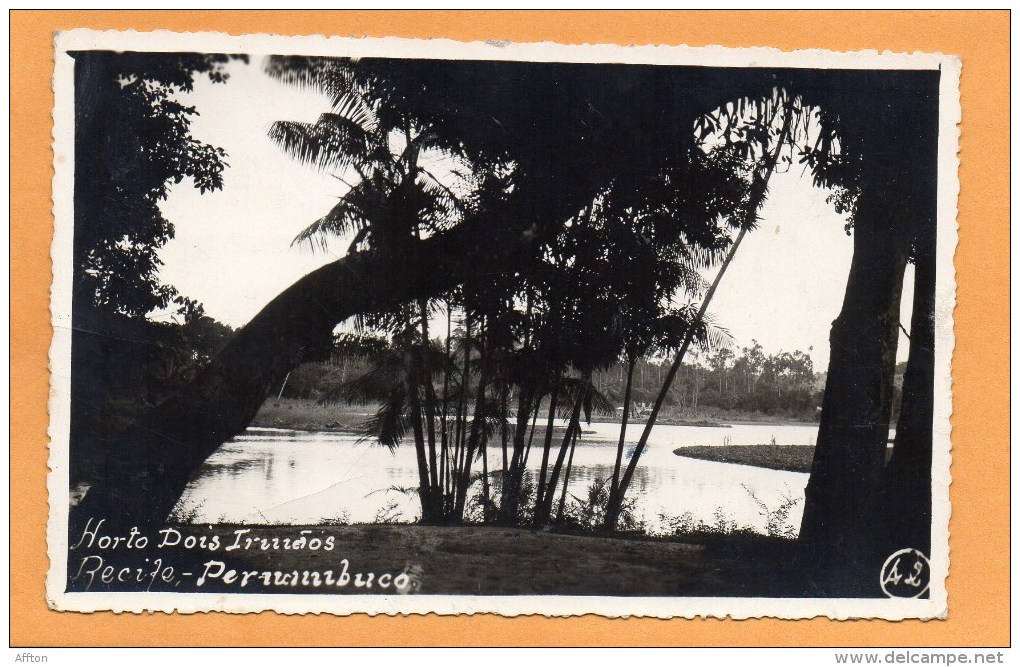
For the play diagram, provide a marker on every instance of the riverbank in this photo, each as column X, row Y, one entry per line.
column 665, row 421
column 308, row 415
column 793, row 458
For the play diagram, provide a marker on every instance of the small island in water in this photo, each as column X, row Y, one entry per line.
column 794, row 458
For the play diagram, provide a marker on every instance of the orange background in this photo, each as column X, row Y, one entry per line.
column 979, row 572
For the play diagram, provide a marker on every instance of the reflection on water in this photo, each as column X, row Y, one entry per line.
column 280, row 476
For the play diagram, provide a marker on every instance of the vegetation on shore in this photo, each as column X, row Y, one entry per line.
column 730, row 385
column 308, row 414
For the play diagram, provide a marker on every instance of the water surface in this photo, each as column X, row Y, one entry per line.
column 300, row 477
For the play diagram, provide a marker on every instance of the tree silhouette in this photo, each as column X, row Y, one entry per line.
column 885, row 165
column 134, row 141
column 759, row 140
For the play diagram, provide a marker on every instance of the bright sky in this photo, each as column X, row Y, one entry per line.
column 232, row 249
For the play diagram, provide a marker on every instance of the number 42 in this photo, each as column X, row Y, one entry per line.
column 894, row 577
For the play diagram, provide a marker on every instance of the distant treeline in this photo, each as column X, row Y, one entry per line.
column 728, row 383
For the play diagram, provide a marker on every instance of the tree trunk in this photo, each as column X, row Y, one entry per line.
column 842, row 529
column 475, row 439
column 461, row 430
column 510, row 494
column 566, row 479
column 485, row 480
column 543, row 505
column 444, row 426
column 907, row 501
column 430, row 394
column 504, row 435
column 547, row 444
column 431, row 501
column 841, row 499
column 621, row 445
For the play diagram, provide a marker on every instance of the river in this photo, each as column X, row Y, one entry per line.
column 301, row 477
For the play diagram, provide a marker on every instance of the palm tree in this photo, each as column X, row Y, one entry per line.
column 758, row 137
column 392, row 382
column 394, row 198
column 644, row 277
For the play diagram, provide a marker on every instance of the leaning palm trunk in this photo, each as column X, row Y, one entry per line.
column 547, row 444
column 430, row 394
column 566, row 479
column 624, row 421
column 543, row 506
column 617, row 495
column 147, row 468
column 615, row 503
column 475, row 439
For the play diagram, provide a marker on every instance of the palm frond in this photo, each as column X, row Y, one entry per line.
column 593, row 399
column 343, row 219
column 331, row 142
column 379, row 384
column 336, row 78
column 359, row 345
column 406, row 490
column 441, row 196
column 689, row 279
column 351, row 105
column 597, row 402
column 388, row 425
column 711, row 336
column 305, row 72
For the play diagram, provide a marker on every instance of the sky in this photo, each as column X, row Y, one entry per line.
column 233, row 253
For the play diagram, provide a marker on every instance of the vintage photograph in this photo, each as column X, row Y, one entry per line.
column 392, row 326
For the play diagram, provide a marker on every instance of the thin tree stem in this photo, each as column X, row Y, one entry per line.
column 758, row 197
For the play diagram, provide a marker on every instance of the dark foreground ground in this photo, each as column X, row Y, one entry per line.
column 507, row 561
column 469, row 560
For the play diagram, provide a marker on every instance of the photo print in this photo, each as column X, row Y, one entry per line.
column 399, row 326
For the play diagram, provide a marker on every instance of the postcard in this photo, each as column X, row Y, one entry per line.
column 398, row 326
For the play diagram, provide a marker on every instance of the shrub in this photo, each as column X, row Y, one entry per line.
column 589, row 514
column 776, row 520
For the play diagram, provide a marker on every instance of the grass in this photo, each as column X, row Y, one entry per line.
column 794, row 458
